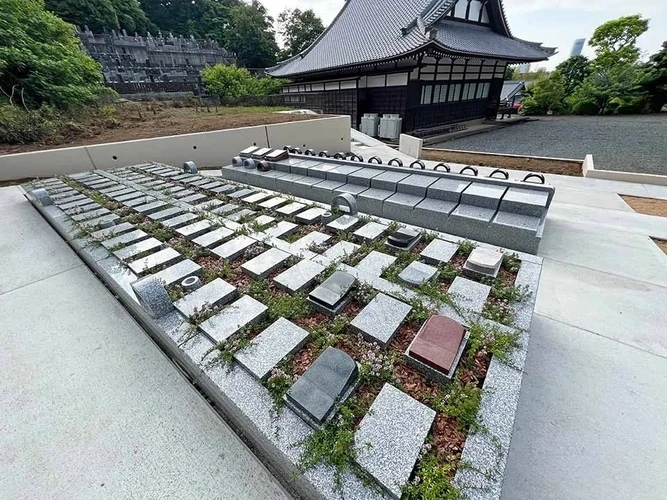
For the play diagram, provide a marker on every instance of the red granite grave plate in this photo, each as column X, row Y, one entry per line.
column 438, row 342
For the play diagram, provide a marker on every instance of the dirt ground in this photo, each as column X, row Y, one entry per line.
column 132, row 120
column 525, row 164
column 648, row 206
column 662, row 244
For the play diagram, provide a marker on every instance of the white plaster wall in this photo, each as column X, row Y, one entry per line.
column 331, row 134
column 44, row 163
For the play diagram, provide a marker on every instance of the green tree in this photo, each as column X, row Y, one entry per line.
column 132, row 18
column 615, row 42
column 511, row 73
column 299, row 30
column 41, row 61
column 250, row 35
column 546, row 96
column 180, row 17
column 610, row 89
column 574, row 70
column 655, row 80
column 228, row 81
column 96, row 14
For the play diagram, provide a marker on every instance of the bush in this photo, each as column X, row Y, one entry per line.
column 545, row 96
column 585, row 107
column 231, row 82
column 18, row 126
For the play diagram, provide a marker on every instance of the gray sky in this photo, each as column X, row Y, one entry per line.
column 556, row 23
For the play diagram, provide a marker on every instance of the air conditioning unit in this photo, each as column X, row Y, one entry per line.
column 370, row 123
column 390, row 127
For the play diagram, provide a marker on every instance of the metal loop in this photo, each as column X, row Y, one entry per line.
column 296, row 150
column 309, row 152
column 356, row 157
column 340, row 156
column 375, row 159
column 395, row 161
column 442, row 165
column 537, row 176
column 287, row 148
column 418, row 162
column 503, row 173
column 474, row 171
column 324, row 154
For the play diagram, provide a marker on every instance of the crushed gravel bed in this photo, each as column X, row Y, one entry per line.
column 624, row 143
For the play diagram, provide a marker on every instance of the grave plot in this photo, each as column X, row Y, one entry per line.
column 339, row 341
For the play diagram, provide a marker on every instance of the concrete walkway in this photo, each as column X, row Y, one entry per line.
column 91, row 408
column 592, row 417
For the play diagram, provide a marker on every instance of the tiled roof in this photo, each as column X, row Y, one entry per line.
column 368, row 30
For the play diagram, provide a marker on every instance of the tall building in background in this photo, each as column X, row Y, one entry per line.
column 577, row 47
column 523, row 68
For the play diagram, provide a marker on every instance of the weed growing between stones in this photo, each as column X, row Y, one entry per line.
column 432, row 480
column 231, row 346
column 512, row 263
column 278, row 384
column 363, row 293
column 186, row 248
column 156, row 230
column 466, row 247
column 291, row 307
column 486, row 341
column 203, row 313
column 175, row 292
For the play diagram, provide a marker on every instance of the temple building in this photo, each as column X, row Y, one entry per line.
column 433, row 62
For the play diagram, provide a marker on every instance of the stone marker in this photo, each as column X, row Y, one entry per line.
column 165, row 214
column 333, row 295
column 245, row 213
column 180, row 220
column 343, row 223
column 483, row 262
column 179, row 271
column 214, row 237
column 234, row 248
column 112, row 231
column 149, row 208
column 265, row 263
column 232, row 318
column 154, row 260
column 42, row 197
column 380, row 319
column 341, row 250
column 215, row 293
column 314, row 238
column 195, row 229
column 257, row 197
column 141, row 247
column 374, row 263
column 403, row 239
column 390, row 437
column 266, row 350
column 291, row 208
column 152, row 296
column 273, row 203
column 194, row 198
column 370, row 232
column 439, row 251
column 299, row 276
column 417, row 273
column 225, row 209
column 468, row 294
column 323, row 386
column 125, row 239
column 311, row 216
column 439, row 344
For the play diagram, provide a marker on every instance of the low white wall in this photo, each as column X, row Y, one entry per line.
column 206, row 149
column 591, row 172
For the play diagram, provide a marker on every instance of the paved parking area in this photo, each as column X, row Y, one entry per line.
column 625, row 143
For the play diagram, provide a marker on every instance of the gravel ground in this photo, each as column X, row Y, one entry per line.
column 626, row 143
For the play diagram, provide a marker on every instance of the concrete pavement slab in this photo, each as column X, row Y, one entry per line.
column 591, row 419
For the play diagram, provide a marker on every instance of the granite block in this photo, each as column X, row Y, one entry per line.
column 415, row 184
column 100, row 222
column 434, row 213
column 149, row 208
column 447, row 189
column 90, row 214
column 341, row 250
column 110, row 232
column 380, row 319
column 314, row 238
column 128, row 197
column 178, row 272
column 400, row 206
column 180, row 220
column 225, row 209
column 310, row 216
column 280, row 229
column 214, row 237
column 299, row 276
column 241, row 214
column 263, row 220
column 137, row 248
column 374, row 263
column 387, row 180
column 439, row 252
column 265, row 263
column 469, row 295
column 353, row 189
column 195, row 229
column 208, row 205
column 257, row 197
column 363, row 176
column 483, row 262
column 371, row 200
column 125, row 239
column 240, row 313
column 522, row 201
column 194, row 198
column 390, row 437
column 516, row 231
column 215, row 293
column 224, row 189
column 152, row 296
column 372, row 231
column 154, row 261
column 243, row 193
column 166, row 213
column 143, row 200
column 266, row 350
column 483, row 195
column 417, row 274
column 273, row 203
column 344, row 223
column 233, row 249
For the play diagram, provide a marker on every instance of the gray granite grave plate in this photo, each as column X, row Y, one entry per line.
column 299, row 276
column 234, row 317
column 214, row 237
column 370, row 232
column 375, row 262
column 484, row 262
column 265, row 263
column 213, row 294
column 417, row 273
column 137, row 248
column 178, row 272
column 234, row 248
column 154, row 260
column 439, row 251
column 380, row 319
column 470, row 295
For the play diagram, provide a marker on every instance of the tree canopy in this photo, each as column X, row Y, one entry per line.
column 299, row 30
column 100, row 14
column 575, row 69
column 41, row 61
column 232, row 82
column 615, row 42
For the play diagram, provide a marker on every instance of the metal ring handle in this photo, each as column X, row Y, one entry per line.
column 340, row 156
column 503, row 173
column 296, row 150
column 356, row 157
column 442, row 166
column 418, row 162
column 309, row 152
column 537, row 176
column 287, row 148
column 375, row 159
column 395, row 161
column 324, row 154
column 474, row 171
